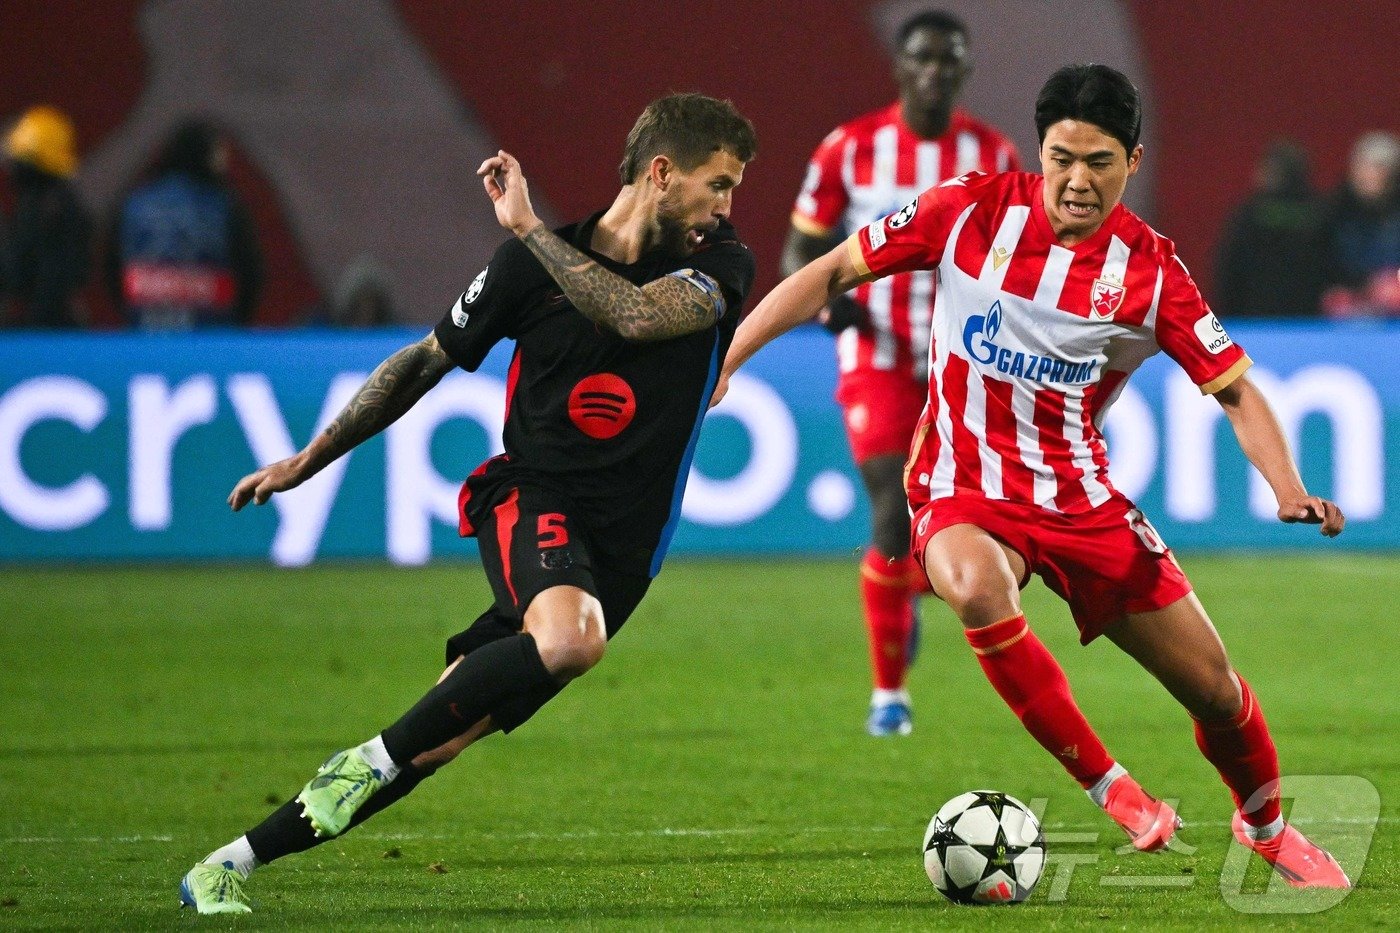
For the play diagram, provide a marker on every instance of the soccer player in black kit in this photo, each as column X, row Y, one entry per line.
column 620, row 323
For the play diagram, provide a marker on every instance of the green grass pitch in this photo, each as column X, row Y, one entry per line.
column 712, row 773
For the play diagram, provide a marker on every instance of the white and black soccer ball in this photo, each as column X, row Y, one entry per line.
column 984, row 847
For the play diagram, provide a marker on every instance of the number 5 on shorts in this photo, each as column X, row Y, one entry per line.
column 551, row 530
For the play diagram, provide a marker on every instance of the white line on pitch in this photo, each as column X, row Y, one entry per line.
column 1359, row 570
column 1053, row 828
column 16, row 840
column 642, row 833
column 1060, row 830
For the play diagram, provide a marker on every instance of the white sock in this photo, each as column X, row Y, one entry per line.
column 1264, row 833
column 237, row 854
column 1099, row 792
column 378, row 757
column 880, row 697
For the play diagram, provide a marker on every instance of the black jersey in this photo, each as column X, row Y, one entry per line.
column 609, row 423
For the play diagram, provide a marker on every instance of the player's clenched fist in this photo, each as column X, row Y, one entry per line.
column 1314, row 510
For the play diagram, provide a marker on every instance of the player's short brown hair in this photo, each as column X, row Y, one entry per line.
column 688, row 128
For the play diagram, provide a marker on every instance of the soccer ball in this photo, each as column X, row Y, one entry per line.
column 984, row 847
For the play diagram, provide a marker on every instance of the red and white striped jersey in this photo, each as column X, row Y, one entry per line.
column 1033, row 341
column 869, row 168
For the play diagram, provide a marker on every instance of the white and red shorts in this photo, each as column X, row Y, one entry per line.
column 1106, row 562
column 881, row 409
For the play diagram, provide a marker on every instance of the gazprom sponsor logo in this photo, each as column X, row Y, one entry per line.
column 979, row 339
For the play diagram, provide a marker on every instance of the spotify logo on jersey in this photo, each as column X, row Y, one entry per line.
column 602, row 406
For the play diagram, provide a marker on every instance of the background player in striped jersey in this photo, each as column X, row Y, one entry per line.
column 862, row 171
column 1050, row 295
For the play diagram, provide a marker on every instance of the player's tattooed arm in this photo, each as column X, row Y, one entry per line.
column 392, row 389
column 668, row 307
column 677, row 304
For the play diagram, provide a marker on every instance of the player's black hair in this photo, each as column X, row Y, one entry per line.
column 938, row 20
column 1095, row 94
column 688, row 128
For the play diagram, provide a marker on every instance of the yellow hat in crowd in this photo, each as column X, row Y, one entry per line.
column 44, row 138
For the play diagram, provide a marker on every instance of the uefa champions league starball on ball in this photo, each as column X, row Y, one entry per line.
column 984, row 847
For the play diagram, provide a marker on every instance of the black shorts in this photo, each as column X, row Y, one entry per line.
column 528, row 544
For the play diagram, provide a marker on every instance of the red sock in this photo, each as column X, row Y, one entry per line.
column 1033, row 684
column 889, row 615
column 1243, row 752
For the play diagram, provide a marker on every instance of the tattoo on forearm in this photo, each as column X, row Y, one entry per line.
column 391, row 390
column 667, row 310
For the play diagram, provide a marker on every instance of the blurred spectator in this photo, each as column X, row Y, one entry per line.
column 1273, row 255
column 47, row 248
column 182, row 252
column 363, row 297
column 1363, row 229
column 4, row 266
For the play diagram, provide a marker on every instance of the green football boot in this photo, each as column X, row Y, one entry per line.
column 214, row 889
column 340, row 787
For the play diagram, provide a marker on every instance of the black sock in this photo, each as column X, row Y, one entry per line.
column 487, row 677
column 511, row 713
column 286, row 831
column 410, row 776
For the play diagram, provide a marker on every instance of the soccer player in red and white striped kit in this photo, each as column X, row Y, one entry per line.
column 1050, row 294
column 862, row 171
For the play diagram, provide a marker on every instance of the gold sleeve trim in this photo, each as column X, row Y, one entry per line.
column 857, row 257
column 1228, row 376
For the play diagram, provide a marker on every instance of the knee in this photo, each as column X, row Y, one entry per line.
column 977, row 596
column 889, row 508
column 890, row 526
column 570, row 646
column 1217, row 696
column 569, row 657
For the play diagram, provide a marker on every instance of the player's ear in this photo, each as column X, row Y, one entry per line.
column 660, row 171
column 1135, row 159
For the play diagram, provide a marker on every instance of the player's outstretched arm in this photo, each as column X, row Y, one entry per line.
column 796, row 299
column 392, row 389
column 1261, row 438
column 659, row 310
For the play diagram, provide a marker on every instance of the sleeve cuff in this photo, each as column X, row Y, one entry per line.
column 857, row 257
column 1228, row 376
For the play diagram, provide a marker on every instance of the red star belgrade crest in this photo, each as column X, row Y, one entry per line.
column 1105, row 299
